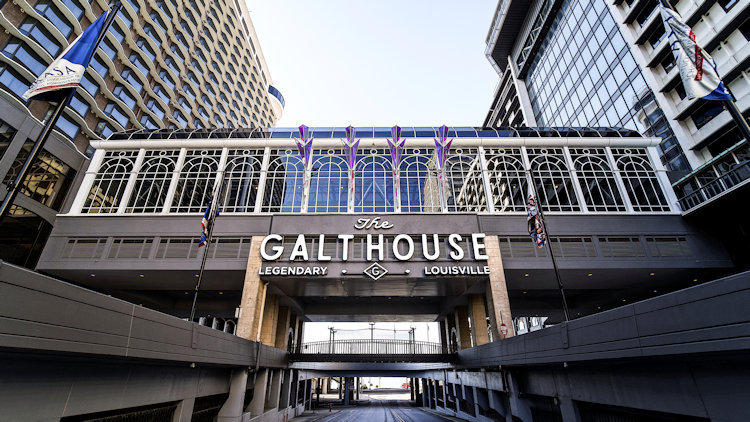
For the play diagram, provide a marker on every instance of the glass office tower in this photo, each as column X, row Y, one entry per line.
column 581, row 72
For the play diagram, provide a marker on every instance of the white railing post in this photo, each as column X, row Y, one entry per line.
column 618, row 179
column 486, row 180
column 131, row 182
column 175, row 179
column 262, row 180
column 661, row 175
column 87, row 182
column 574, row 178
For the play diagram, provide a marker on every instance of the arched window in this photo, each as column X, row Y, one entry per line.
column 110, row 181
column 196, row 183
column 465, row 189
column 152, row 183
column 640, row 180
column 508, row 182
column 283, row 190
column 551, row 176
column 330, row 183
column 597, row 180
column 241, row 180
column 417, row 182
column 373, row 187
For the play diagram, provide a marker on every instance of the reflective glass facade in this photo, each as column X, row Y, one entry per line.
column 585, row 75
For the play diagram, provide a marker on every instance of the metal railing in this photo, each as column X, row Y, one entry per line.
column 721, row 183
column 372, row 347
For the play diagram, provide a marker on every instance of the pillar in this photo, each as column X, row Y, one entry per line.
column 282, row 327
column 569, row 410
column 184, row 411
column 232, row 408
column 359, row 380
column 257, row 404
column 498, row 303
column 326, row 383
column 347, row 381
column 462, row 326
column 286, row 387
column 253, row 295
column 519, row 407
column 270, row 320
column 308, row 394
column 443, row 335
column 411, row 389
column 273, row 395
column 478, row 316
column 426, row 396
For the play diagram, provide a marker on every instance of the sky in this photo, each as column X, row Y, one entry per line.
column 378, row 63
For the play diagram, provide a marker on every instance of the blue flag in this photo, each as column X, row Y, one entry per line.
column 68, row 69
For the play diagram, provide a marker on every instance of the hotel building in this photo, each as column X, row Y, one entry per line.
column 167, row 64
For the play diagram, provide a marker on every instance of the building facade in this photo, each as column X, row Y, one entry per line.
column 594, row 62
column 168, row 64
column 570, row 65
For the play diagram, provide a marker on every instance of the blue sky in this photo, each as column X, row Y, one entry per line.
column 378, row 63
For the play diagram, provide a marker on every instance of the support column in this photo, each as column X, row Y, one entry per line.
column 498, row 303
column 326, row 385
column 232, row 408
column 259, row 394
column 253, row 295
column 359, row 380
column 270, row 320
column 518, row 407
column 286, row 388
column 479, row 334
column 273, row 395
column 443, row 335
column 426, row 396
column 184, row 411
column 282, row 327
column 308, row 394
column 569, row 410
column 462, row 325
column 347, row 381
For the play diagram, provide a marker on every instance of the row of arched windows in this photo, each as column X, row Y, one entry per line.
column 565, row 180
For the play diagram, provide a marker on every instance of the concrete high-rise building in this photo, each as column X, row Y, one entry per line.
column 607, row 63
column 164, row 65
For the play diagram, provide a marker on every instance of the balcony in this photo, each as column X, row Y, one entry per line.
column 726, row 173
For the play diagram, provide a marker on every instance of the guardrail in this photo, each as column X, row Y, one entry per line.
column 371, row 351
column 372, row 347
column 723, row 173
column 709, row 189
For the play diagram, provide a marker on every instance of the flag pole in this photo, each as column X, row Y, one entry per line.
column 549, row 245
column 15, row 186
column 729, row 105
column 211, row 220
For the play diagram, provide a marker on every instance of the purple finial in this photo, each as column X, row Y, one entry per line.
column 442, row 146
column 304, row 144
column 396, row 145
column 350, row 146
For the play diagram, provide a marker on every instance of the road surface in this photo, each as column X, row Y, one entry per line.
column 383, row 411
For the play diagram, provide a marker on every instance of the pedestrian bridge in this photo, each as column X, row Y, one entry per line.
column 375, row 350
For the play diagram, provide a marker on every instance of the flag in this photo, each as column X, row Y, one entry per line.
column 207, row 222
column 534, row 220
column 697, row 68
column 68, row 69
